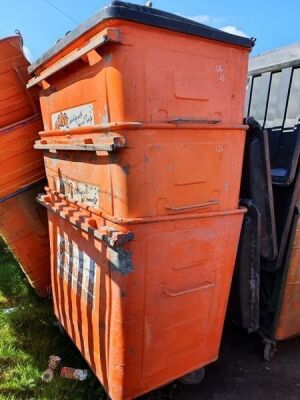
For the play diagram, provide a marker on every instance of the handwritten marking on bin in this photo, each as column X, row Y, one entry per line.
column 79, row 191
column 73, row 117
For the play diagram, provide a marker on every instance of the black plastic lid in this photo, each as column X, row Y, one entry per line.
column 147, row 16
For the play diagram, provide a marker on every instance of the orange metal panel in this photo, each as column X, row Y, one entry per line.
column 15, row 101
column 20, row 164
column 160, row 170
column 24, row 227
column 148, row 75
column 145, row 311
column 288, row 323
column 23, row 223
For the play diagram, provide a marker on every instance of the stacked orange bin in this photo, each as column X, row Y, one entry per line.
column 23, row 223
column 143, row 129
column 16, row 102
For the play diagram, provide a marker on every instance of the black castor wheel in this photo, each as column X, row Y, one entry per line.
column 59, row 326
column 193, row 378
column 269, row 351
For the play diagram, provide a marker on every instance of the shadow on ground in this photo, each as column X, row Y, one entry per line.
column 241, row 373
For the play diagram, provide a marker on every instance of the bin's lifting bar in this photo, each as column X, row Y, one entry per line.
column 110, row 143
column 111, row 35
column 106, row 234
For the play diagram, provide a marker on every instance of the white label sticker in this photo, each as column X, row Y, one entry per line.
column 79, row 191
column 77, row 268
column 73, row 117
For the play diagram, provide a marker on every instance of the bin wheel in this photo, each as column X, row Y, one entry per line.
column 59, row 326
column 269, row 351
column 193, row 378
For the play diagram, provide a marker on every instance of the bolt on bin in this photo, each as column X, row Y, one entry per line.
column 142, row 112
column 23, row 223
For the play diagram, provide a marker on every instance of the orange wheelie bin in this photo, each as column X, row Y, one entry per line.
column 23, row 223
column 143, row 114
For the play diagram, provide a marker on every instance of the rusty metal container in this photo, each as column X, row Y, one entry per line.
column 147, row 171
column 129, row 63
column 144, row 300
column 143, row 147
column 118, row 139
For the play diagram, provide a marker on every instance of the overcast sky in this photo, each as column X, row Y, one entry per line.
column 273, row 22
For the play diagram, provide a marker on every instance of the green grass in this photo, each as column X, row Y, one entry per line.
column 28, row 337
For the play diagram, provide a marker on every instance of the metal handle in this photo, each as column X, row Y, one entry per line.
column 194, row 121
column 111, row 35
column 205, row 285
column 192, row 206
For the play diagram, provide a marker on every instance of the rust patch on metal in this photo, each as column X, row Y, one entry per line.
column 126, row 169
column 120, row 260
